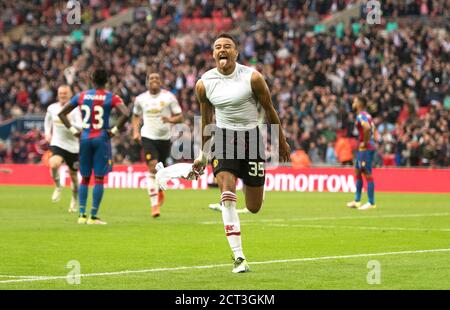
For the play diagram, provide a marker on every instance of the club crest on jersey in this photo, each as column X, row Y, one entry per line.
column 162, row 104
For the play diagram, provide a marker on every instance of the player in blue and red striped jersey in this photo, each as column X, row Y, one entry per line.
column 95, row 139
column 365, row 155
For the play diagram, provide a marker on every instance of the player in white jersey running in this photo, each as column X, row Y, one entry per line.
column 233, row 92
column 63, row 145
column 159, row 109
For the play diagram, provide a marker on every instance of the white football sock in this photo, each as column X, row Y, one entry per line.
column 55, row 176
column 231, row 223
column 153, row 189
column 74, row 187
column 75, row 192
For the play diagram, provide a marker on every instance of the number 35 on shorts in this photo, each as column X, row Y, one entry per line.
column 256, row 169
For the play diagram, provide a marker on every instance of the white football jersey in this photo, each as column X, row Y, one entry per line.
column 152, row 108
column 232, row 97
column 61, row 136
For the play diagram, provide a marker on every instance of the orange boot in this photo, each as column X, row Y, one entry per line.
column 155, row 208
column 161, row 197
column 155, row 211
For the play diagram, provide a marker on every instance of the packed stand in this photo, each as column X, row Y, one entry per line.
column 50, row 17
column 425, row 8
column 404, row 73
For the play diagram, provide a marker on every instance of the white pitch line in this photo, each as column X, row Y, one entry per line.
column 361, row 227
column 336, row 218
column 19, row 277
column 278, row 261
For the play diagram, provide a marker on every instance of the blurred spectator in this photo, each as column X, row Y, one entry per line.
column 19, row 152
column 51, row 16
column 300, row 159
column 331, row 158
column 344, row 152
column 3, row 152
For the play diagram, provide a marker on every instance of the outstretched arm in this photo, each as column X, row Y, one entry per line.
column 207, row 112
column 262, row 94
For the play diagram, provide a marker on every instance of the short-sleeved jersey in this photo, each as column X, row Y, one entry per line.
column 152, row 108
column 96, row 106
column 61, row 136
column 364, row 117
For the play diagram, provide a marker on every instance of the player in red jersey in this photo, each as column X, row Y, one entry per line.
column 365, row 154
column 95, row 139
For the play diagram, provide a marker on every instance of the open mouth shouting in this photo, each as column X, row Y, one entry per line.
column 223, row 60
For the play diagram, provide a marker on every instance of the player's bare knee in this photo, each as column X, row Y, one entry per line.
column 54, row 162
column 254, row 197
column 254, row 207
column 73, row 175
column 152, row 166
column 53, row 165
column 253, row 204
column 226, row 182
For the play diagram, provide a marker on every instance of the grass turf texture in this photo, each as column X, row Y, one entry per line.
column 38, row 238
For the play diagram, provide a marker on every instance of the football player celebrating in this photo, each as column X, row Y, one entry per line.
column 234, row 91
column 63, row 144
column 159, row 109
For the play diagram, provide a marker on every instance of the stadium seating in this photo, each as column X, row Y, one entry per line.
column 312, row 76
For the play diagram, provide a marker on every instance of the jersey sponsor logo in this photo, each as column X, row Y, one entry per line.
column 94, row 97
column 153, row 111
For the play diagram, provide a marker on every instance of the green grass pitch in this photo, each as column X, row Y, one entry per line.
column 297, row 241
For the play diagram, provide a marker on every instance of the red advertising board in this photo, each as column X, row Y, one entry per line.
column 279, row 179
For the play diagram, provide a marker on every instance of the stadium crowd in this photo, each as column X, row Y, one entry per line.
column 50, row 16
column 313, row 75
